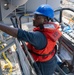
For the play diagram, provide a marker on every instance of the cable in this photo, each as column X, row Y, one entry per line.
column 9, row 63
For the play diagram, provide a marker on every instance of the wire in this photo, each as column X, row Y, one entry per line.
column 9, row 63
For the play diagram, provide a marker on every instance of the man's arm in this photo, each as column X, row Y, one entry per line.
column 9, row 30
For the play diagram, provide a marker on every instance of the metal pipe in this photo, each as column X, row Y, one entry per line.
column 33, row 63
column 0, row 12
column 7, row 47
column 22, row 58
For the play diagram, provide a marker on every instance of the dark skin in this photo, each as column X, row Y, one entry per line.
column 14, row 31
column 9, row 30
column 38, row 19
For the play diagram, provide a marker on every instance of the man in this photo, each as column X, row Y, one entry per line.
column 41, row 42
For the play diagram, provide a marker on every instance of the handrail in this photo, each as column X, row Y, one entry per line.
column 61, row 10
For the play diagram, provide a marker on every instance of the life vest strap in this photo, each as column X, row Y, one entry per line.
column 43, row 55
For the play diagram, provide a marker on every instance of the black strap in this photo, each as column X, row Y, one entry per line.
column 42, row 54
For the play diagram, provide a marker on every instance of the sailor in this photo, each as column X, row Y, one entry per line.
column 41, row 42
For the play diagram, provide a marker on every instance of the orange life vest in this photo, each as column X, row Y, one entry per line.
column 52, row 35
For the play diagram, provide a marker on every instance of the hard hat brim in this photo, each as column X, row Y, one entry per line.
column 38, row 13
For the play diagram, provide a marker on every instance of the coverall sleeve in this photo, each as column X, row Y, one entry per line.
column 37, row 39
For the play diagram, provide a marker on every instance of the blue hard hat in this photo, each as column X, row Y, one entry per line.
column 45, row 10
